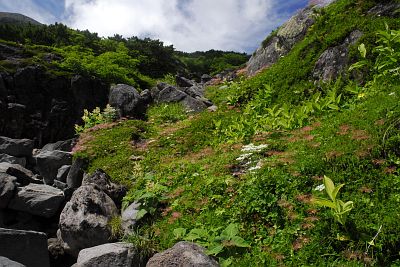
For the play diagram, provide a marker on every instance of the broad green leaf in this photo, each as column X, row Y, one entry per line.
column 329, row 187
column 179, row 233
column 324, row 202
column 363, row 50
column 225, row 262
column 140, row 214
column 196, row 234
column 358, row 65
column 230, row 231
column 240, row 242
column 214, row 249
column 336, row 190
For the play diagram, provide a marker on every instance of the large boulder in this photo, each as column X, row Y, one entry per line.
column 193, row 105
column 335, row 60
column 127, row 100
column 35, row 199
column 24, row 176
column 16, row 147
column 84, row 219
column 103, row 181
column 75, row 174
column 112, row 254
column 12, row 160
column 48, row 163
column 62, row 173
column 7, row 188
column 26, row 247
column 184, row 82
column 170, row 94
column 66, row 145
column 6, row 262
column 182, row 254
column 128, row 217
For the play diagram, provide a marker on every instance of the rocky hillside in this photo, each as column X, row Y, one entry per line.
column 296, row 164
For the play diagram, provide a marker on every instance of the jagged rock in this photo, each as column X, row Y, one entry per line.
column 48, row 163
column 16, row 147
column 128, row 216
column 195, row 91
column 170, row 94
column 62, row 173
column 66, row 146
column 389, row 9
column 75, row 174
column 146, row 96
column 6, row 262
column 101, row 179
column 84, row 219
column 60, row 185
column 26, row 247
column 205, row 78
column 335, row 60
column 24, row 176
column 58, row 257
column 113, row 254
column 182, row 254
column 41, row 200
column 7, row 188
column 193, row 105
column 12, row 160
column 127, row 100
column 183, row 82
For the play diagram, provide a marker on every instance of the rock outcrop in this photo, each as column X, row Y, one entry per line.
column 127, row 101
column 182, row 254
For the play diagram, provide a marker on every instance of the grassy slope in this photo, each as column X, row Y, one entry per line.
column 196, row 182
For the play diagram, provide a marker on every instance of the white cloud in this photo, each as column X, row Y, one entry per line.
column 28, row 8
column 189, row 25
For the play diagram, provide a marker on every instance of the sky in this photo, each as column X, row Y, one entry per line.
column 190, row 25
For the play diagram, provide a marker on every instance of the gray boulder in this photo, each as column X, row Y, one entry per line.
column 48, row 163
column 389, row 9
column 182, row 254
column 128, row 217
column 24, row 176
column 7, row 188
column 16, row 147
column 62, row 173
column 84, row 219
column 26, row 247
column 75, row 174
column 112, row 254
column 335, row 60
column 127, row 100
column 6, row 262
column 195, row 91
column 12, row 160
column 184, row 82
column 41, row 200
column 66, row 146
column 170, row 94
column 193, row 105
column 103, row 181
column 205, row 78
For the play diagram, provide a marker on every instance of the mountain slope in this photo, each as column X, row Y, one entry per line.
column 15, row 18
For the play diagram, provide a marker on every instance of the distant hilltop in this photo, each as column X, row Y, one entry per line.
column 15, row 18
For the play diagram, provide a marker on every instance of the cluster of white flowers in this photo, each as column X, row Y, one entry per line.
column 253, row 148
column 320, row 188
column 244, row 156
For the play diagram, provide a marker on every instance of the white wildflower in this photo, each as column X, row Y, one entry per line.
column 320, row 188
column 253, row 148
column 392, row 94
column 244, row 156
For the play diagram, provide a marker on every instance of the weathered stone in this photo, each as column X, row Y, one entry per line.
column 183, row 82
column 182, row 254
column 170, row 94
column 193, row 105
column 128, row 217
column 127, row 100
column 75, row 174
column 24, row 176
column 389, row 9
column 112, row 254
column 60, row 185
column 26, row 247
column 7, row 188
column 101, row 179
column 48, row 163
column 12, row 160
column 62, row 173
column 6, row 262
column 205, row 78
column 16, row 147
column 195, row 91
column 84, row 219
column 41, row 200
column 66, row 145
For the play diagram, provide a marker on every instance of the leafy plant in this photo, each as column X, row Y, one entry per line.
column 115, row 227
column 96, row 117
column 340, row 208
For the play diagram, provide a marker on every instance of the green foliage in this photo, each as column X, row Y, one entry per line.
column 115, row 225
column 340, row 208
column 163, row 113
column 90, row 119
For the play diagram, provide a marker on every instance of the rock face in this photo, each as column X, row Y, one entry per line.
column 335, row 60
column 16, row 147
column 12, row 160
column 24, row 176
column 84, row 219
column 6, row 262
column 279, row 44
column 7, row 188
column 127, row 100
column 44, row 107
column 48, row 163
column 113, row 254
column 26, row 247
column 41, row 200
column 182, row 254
